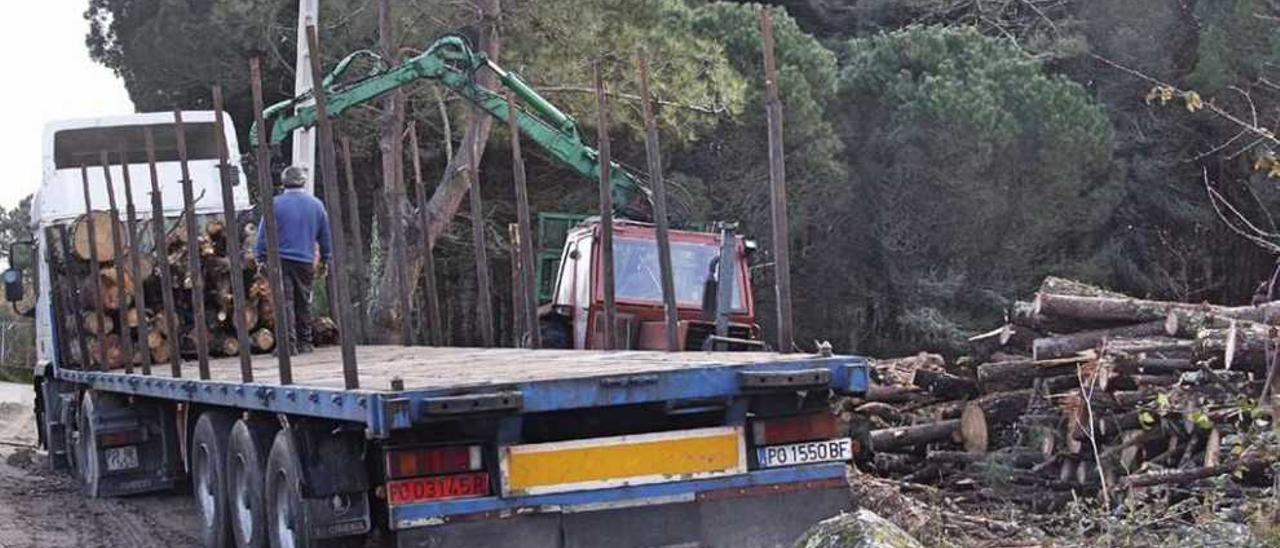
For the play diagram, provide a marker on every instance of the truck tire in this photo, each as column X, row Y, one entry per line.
column 249, row 445
column 286, row 520
column 287, row 525
column 209, row 477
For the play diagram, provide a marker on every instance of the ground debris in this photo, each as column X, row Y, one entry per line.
column 859, row 529
column 1088, row 418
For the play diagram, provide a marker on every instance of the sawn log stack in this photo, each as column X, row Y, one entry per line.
column 106, row 334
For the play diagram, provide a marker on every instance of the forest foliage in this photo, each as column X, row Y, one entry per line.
column 942, row 155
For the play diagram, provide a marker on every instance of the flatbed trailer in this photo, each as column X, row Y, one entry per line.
column 406, row 385
column 411, row 389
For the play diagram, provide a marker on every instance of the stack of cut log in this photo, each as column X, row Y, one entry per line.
column 105, row 335
column 1084, row 392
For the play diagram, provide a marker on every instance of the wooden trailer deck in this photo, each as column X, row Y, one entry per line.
column 431, row 368
column 457, row 380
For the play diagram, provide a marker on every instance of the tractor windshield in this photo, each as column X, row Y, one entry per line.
column 637, row 278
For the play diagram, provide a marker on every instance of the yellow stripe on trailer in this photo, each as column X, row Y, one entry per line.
column 616, row 461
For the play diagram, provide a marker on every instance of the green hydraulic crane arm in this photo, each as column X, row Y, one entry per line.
column 452, row 62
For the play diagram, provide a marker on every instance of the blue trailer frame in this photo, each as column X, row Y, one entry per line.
column 382, row 412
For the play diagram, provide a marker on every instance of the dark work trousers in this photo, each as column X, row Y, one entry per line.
column 298, row 278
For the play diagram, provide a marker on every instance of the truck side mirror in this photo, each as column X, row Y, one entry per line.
column 13, row 290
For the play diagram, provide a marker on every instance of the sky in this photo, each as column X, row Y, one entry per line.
column 49, row 76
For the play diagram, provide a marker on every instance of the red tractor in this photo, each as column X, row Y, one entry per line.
column 574, row 315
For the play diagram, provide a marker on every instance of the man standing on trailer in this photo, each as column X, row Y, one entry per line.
column 303, row 227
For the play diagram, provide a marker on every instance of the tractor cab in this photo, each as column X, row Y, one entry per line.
column 573, row 314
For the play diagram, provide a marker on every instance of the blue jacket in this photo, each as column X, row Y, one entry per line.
column 301, row 222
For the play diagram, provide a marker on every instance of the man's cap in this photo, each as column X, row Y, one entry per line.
column 294, row 177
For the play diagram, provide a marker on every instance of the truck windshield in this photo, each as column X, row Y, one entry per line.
column 636, row 276
column 75, row 147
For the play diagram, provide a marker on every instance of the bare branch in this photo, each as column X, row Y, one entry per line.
column 1261, row 132
column 1217, row 200
column 1253, row 109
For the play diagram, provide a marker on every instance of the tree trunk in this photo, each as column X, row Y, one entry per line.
column 103, row 225
column 1061, row 346
column 945, row 385
column 263, row 340
column 91, row 324
column 1012, row 375
column 1140, row 310
column 225, row 344
column 906, row 437
column 448, row 195
column 1249, row 350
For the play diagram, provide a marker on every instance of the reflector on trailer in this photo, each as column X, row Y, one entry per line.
column 432, row 461
column 637, row 459
column 117, row 439
column 814, row 426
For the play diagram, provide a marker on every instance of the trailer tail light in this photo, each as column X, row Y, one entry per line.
column 457, row 486
column 124, row 437
column 814, row 426
column 433, row 461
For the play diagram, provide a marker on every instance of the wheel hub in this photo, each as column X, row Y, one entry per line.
column 285, row 534
column 244, row 503
column 205, row 487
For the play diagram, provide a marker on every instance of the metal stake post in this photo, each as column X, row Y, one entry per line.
column 660, row 222
column 78, row 321
column 517, row 287
column 528, row 287
column 233, row 241
column 725, row 279
column 266, row 201
column 95, row 271
column 117, row 261
column 166, row 276
column 606, row 214
column 435, row 330
column 135, row 263
column 329, row 170
column 777, row 188
column 484, row 288
column 195, row 269
column 358, row 273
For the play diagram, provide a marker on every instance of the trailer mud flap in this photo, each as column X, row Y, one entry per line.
column 338, row 515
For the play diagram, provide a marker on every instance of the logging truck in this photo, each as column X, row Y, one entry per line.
column 399, row 445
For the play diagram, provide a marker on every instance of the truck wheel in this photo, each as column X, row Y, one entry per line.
column 286, row 520
column 247, row 452
column 209, row 477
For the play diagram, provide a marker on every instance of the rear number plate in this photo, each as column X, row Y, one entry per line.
column 121, row 458
column 805, row 453
column 437, row 488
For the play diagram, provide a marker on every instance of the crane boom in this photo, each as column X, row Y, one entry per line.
column 452, row 62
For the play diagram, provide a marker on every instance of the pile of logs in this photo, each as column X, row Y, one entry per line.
column 118, row 289
column 1084, row 392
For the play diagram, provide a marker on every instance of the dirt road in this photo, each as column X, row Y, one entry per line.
column 39, row 507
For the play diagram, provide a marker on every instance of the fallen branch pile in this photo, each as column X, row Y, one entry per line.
column 1084, row 393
